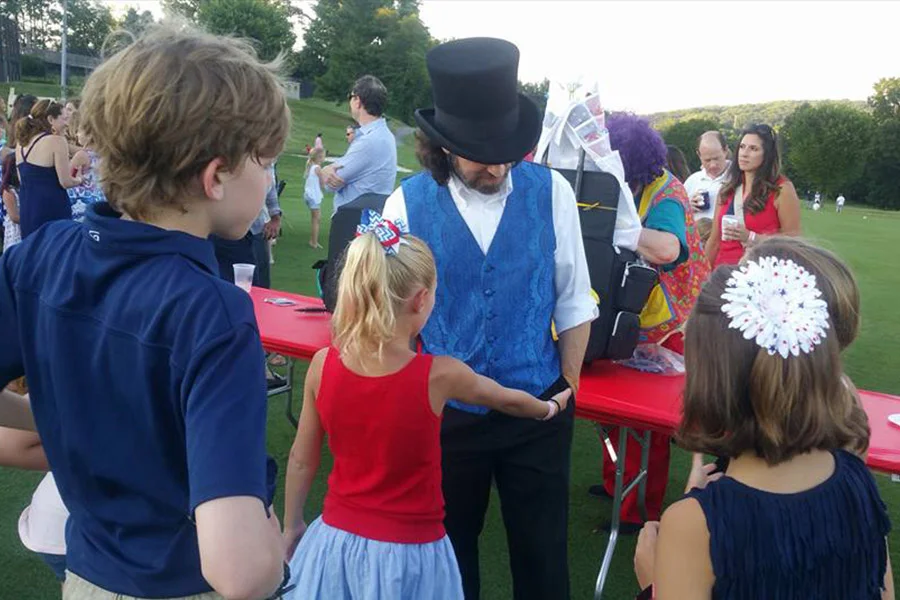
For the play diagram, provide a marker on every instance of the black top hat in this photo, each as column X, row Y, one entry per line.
column 478, row 113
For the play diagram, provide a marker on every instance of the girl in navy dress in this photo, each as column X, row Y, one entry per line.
column 797, row 515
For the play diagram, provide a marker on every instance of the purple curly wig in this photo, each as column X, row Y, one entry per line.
column 641, row 147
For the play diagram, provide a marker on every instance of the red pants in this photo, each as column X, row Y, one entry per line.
column 657, row 467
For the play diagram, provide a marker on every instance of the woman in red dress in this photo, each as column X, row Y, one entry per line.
column 767, row 201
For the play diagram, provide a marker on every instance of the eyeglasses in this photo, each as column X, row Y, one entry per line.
column 350, row 96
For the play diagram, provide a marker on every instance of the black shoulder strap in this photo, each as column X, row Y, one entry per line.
column 33, row 144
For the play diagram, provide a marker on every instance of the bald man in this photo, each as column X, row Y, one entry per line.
column 713, row 152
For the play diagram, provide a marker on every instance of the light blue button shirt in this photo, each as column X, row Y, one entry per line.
column 370, row 164
column 271, row 208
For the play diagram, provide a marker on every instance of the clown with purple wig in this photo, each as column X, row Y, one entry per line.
column 669, row 241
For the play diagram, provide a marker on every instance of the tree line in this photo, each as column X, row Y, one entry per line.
column 40, row 24
column 842, row 147
column 738, row 116
column 268, row 22
column 343, row 39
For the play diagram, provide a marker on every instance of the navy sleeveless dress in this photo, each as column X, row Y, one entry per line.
column 827, row 542
column 41, row 198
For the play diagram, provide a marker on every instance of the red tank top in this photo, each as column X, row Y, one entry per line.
column 386, row 481
column 765, row 222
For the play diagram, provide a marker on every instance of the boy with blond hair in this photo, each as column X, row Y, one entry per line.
column 146, row 369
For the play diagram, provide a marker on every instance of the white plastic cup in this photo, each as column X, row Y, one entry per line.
column 728, row 221
column 243, row 276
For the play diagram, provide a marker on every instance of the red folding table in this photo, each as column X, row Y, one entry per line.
column 609, row 395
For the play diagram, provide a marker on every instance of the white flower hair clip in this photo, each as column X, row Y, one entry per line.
column 777, row 303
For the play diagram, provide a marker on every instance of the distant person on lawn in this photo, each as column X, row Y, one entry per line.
column 370, row 164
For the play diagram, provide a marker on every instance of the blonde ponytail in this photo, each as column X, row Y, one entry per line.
column 371, row 290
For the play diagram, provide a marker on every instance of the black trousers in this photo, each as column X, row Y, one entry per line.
column 251, row 250
column 529, row 461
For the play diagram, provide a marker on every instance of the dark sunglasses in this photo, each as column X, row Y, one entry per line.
column 762, row 130
column 350, row 96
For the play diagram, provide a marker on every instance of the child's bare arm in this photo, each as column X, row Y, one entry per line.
column 22, row 450
column 241, row 555
column 306, row 454
column 683, row 568
column 453, row 379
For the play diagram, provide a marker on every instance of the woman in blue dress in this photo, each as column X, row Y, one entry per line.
column 42, row 158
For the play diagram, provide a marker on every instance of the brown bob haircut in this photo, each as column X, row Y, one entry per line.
column 738, row 398
column 161, row 109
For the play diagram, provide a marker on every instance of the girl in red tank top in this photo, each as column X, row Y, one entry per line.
column 756, row 201
column 381, row 533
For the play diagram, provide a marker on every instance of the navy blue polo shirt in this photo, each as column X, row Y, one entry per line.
column 148, row 389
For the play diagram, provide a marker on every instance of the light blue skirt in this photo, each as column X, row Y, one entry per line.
column 332, row 564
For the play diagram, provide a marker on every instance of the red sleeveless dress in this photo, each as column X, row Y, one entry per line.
column 765, row 222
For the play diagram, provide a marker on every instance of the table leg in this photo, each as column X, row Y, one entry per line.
column 287, row 388
column 289, row 405
column 644, row 441
column 604, row 438
column 614, row 521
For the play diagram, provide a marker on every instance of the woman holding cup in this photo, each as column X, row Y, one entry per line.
column 756, row 201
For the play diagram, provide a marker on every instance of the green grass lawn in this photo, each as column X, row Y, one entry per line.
column 866, row 243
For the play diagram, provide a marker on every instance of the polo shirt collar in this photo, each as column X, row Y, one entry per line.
column 111, row 233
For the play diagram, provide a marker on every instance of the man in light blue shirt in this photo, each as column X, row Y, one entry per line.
column 370, row 164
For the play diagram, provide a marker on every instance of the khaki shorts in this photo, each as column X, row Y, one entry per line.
column 76, row 588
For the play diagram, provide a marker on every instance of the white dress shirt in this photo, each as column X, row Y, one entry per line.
column 482, row 213
column 702, row 182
